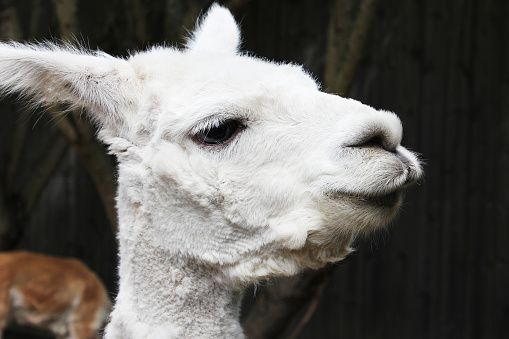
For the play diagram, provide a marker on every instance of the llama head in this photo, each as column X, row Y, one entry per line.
column 236, row 162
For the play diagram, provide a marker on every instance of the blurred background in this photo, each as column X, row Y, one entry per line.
column 440, row 271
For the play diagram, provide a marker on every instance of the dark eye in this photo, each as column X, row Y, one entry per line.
column 218, row 134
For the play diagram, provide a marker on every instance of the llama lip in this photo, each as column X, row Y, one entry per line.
column 388, row 200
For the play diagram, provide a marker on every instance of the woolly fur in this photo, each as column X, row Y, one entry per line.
column 305, row 174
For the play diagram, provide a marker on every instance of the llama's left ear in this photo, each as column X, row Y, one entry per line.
column 48, row 75
column 216, row 33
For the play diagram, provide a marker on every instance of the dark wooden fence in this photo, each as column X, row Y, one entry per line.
column 442, row 270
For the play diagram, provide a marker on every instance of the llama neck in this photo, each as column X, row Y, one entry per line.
column 161, row 296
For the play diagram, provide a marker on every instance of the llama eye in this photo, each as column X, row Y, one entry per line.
column 218, row 134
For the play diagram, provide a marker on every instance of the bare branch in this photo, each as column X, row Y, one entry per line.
column 9, row 25
column 9, row 229
column 67, row 18
column 312, row 307
column 14, row 153
column 80, row 135
column 78, row 131
column 340, row 76
column 10, row 30
column 340, row 29
column 35, row 15
column 277, row 305
column 98, row 165
column 65, row 126
column 136, row 20
column 43, row 171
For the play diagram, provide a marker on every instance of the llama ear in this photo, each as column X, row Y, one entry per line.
column 216, row 33
column 106, row 86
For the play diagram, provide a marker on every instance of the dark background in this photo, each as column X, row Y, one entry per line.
column 442, row 269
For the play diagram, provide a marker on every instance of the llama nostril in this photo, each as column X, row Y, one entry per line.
column 376, row 141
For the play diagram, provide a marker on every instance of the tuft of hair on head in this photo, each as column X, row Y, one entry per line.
column 216, row 33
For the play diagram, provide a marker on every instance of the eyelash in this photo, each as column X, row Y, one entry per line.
column 221, row 133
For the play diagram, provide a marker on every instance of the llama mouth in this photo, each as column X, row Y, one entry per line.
column 388, row 200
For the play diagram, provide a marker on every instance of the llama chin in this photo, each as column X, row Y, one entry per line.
column 232, row 169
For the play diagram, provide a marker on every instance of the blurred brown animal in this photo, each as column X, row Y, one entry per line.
column 57, row 294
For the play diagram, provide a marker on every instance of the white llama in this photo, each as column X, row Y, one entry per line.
column 232, row 169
